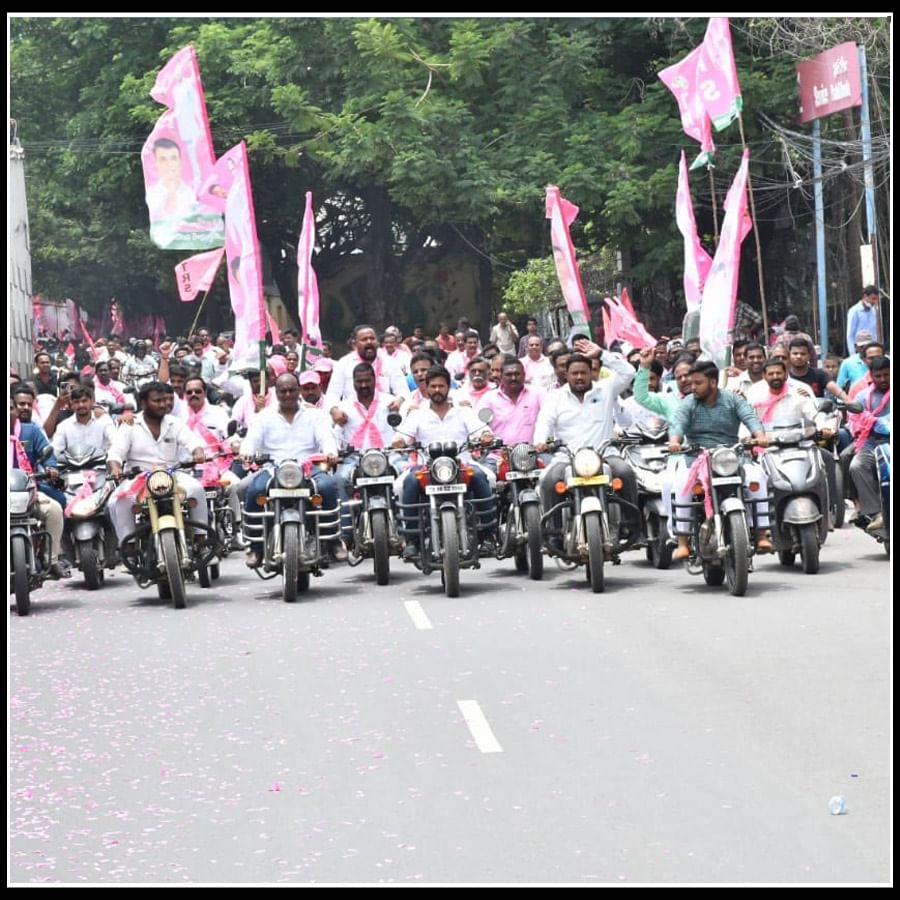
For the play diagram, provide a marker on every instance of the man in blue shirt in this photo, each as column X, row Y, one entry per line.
column 30, row 440
column 863, row 316
column 854, row 367
column 710, row 418
column 873, row 428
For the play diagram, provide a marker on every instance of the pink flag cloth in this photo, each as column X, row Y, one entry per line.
column 197, row 273
column 273, row 328
column 177, row 159
column 38, row 314
column 697, row 262
column 608, row 334
column 85, row 492
column 720, row 291
column 699, row 471
column 625, row 300
column 627, row 327
column 562, row 214
column 117, row 323
column 682, row 80
column 717, row 74
column 230, row 183
column 307, row 283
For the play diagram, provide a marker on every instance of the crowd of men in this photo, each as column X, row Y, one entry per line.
column 149, row 406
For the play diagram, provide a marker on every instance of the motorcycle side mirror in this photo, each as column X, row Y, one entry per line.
column 486, row 415
column 130, row 389
column 853, row 407
column 394, row 419
column 824, row 405
column 45, row 454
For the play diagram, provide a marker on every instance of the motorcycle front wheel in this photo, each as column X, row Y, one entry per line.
column 737, row 553
column 381, row 549
column 595, row 552
column 450, row 542
column 168, row 545
column 19, row 557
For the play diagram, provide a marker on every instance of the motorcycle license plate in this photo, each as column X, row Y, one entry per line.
column 289, row 492
column 654, row 453
column 580, row 481
column 445, row 489
column 380, row 479
column 519, row 476
column 211, row 495
column 75, row 479
column 734, row 479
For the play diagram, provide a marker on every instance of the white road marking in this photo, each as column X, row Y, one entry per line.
column 417, row 614
column 478, row 725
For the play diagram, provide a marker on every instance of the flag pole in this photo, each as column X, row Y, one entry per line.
column 199, row 310
column 762, row 290
column 712, row 193
column 262, row 368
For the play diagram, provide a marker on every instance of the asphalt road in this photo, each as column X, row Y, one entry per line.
column 525, row 732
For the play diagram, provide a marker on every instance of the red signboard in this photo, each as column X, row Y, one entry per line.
column 829, row 82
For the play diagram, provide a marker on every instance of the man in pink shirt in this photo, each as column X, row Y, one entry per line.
column 515, row 405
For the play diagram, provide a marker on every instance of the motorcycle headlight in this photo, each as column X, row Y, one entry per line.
column 18, row 480
column 160, row 483
column 443, row 470
column 587, row 462
column 374, row 463
column 523, row 458
column 290, row 475
column 725, row 462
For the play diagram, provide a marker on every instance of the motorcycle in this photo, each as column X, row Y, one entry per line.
column 220, row 517
column 883, row 458
column 447, row 524
column 30, row 545
column 831, row 418
column 292, row 526
column 583, row 535
column 88, row 528
column 799, row 501
column 372, row 512
column 166, row 548
column 518, row 472
column 643, row 448
column 719, row 539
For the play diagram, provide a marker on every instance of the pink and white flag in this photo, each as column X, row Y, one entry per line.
column 720, row 291
column 717, row 74
column 229, row 182
column 197, row 273
column 682, row 80
column 697, row 262
column 38, row 315
column 562, row 214
column 608, row 334
column 627, row 327
column 307, row 283
column 274, row 330
column 177, row 159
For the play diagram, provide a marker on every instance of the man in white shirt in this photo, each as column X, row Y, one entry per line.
column 140, row 368
column 539, row 372
column 476, row 385
column 82, row 429
column 155, row 440
column 442, row 421
column 362, row 425
column 389, row 378
column 295, row 432
column 581, row 414
column 109, row 392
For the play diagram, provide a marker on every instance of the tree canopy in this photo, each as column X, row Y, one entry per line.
column 417, row 137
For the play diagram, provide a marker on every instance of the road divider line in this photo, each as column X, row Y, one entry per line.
column 478, row 726
column 417, row 614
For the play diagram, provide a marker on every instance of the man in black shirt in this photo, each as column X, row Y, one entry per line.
column 44, row 381
column 818, row 380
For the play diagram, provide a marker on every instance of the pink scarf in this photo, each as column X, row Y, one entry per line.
column 368, row 434
column 118, row 396
column 134, row 489
column 19, row 454
column 868, row 418
column 699, row 471
column 766, row 408
column 212, row 470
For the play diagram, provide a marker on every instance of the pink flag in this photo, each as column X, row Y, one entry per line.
column 720, row 291
column 562, row 214
column 697, row 261
column 608, row 334
column 717, row 75
column 682, row 80
column 117, row 323
column 307, row 283
column 177, row 159
column 627, row 327
column 273, row 328
column 625, row 300
column 230, row 183
column 38, row 314
column 197, row 273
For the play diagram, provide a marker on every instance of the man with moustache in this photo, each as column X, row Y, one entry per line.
column 389, row 377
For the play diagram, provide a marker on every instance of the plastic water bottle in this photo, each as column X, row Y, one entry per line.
column 837, row 805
